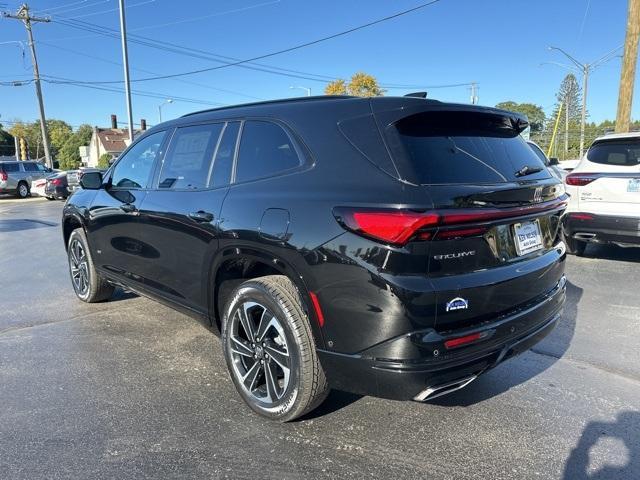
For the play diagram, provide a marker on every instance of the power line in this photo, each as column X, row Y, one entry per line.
column 278, row 52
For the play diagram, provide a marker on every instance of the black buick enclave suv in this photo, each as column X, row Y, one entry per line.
column 397, row 247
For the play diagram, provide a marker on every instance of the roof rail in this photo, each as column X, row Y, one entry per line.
column 272, row 102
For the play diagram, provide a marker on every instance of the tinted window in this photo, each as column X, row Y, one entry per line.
column 134, row 168
column 622, row 153
column 10, row 167
column 462, row 147
column 40, row 167
column 265, row 149
column 223, row 163
column 539, row 153
column 188, row 160
column 30, row 167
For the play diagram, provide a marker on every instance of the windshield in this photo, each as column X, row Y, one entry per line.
column 463, row 147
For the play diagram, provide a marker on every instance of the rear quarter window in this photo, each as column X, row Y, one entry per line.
column 621, row 153
column 442, row 147
column 10, row 167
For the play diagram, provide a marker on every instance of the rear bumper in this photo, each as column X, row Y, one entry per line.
column 602, row 228
column 56, row 192
column 376, row 372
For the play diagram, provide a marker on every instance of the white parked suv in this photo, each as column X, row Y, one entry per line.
column 605, row 194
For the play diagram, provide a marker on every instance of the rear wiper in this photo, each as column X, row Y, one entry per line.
column 527, row 170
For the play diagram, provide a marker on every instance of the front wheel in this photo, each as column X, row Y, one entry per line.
column 269, row 349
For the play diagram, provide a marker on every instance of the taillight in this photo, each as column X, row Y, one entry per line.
column 56, row 181
column 581, row 179
column 397, row 227
column 4, row 176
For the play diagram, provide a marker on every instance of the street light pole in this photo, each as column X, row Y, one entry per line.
column 308, row 90
column 125, row 63
column 585, row 69
column 168, row 100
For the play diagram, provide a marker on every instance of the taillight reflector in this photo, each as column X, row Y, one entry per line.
column 460, row 341
column 581, row 179
column 581, row 216
column 317, row 309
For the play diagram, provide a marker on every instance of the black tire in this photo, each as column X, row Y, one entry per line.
column 50, row 198
column 94, row 288
column 305, row 387
column 22, row 190
column 574, row 247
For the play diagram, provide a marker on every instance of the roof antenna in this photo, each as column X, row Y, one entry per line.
column 417, row 94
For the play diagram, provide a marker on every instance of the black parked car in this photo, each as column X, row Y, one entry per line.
column 398, row 247
column 57, row 187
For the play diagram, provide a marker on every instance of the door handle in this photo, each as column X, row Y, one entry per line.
column 201, row 216
column 128, row 208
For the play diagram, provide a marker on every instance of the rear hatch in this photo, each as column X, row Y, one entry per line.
column 493, row 249
column 608, row 181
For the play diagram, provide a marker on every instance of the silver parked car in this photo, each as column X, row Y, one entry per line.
column 16, row 177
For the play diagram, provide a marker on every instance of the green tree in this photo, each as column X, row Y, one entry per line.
column 534, row 113
column 103, row 161
column 59, row 132
column 361, row 85
column 69, row 156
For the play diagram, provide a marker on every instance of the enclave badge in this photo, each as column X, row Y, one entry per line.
column 457, row 303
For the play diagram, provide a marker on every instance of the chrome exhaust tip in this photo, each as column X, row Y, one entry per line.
column 444, row 388
column 584, row 236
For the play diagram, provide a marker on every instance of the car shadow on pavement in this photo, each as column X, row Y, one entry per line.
column 612, row 252
column 336, row 400
column 121, row 294
column 624, row 429
column 521, row 369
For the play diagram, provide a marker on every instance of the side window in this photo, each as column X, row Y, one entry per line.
column 135, row 166
column 265, row 149
column 188, row 159
column 223, row 163
column 10, row 167
column 30, row 167
column 40, row 167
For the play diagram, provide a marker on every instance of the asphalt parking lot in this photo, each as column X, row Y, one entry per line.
column 132, row 389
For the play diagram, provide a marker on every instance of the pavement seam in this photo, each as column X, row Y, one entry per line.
column 43, row 324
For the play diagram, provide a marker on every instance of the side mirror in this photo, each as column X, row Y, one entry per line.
column 112, row 160
column 554, row 161
column 91, row 180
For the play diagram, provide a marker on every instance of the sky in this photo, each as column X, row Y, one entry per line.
column 500, row 44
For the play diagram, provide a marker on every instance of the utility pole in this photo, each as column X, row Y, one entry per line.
column 625, row 95
column 125, row 63
column 585, row 69
column 23, row 14
column 474, row 93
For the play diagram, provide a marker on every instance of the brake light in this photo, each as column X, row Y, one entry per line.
column 4, row 176
column 397, row 227
column 581, row 179
column 56, row 181
column 581, row 216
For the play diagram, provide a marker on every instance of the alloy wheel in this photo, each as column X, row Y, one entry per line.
column 79, row 267
column 259, row 352
column 23, row 191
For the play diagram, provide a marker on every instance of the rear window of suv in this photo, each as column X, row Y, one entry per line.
column 9, row 167
column 449, row 147
column 624, row 153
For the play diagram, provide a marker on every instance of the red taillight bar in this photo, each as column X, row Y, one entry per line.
column 460, row 341
column 397, row 227
column 3, row 176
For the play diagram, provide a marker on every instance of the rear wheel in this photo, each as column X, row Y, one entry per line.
column 269, row 349
column 89, row 286
column 574, row 247
column 23, row 190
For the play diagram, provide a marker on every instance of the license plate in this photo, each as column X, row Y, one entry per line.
column 634, row 185
column 528, row 237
